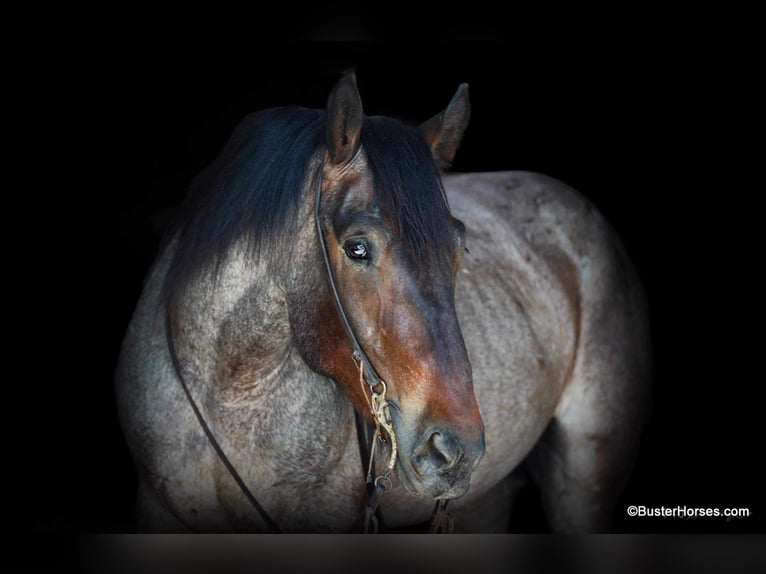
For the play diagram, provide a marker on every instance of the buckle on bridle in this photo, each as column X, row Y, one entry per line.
column 381, row 414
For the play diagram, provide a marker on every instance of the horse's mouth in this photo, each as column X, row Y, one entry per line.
column 434, row 462
column 438, row 485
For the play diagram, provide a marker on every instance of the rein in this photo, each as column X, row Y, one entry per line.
column 441, row 521
column 211, row 437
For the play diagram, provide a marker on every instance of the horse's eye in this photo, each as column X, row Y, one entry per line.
column 356, row 249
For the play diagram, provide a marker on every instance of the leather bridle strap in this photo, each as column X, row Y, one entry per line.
column 211, row 437
column 372, row 513
column 441, row 521
column 370, row 375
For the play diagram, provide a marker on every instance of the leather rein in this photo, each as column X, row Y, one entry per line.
column 441, row 520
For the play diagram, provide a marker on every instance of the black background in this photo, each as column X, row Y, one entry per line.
column 644, row 120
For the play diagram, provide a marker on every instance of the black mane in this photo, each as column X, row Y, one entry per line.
column 408, row 186
column 255, row 187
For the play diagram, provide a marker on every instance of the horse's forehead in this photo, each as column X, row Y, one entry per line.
column 413, row 212
column 357, row 201
column 347, row 183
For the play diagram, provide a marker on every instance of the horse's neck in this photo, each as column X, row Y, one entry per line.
column 235, row 343
column 221, row 326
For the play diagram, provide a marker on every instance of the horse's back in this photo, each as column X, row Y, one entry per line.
column 556, row 326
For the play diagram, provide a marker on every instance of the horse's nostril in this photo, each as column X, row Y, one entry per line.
column 444, row 449
column 438, row 452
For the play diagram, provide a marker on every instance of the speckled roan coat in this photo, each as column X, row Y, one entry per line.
column 555, row 326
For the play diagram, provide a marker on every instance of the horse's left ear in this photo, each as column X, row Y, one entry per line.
column 444, row 131
column 344, row 120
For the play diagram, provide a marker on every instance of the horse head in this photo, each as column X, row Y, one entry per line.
column 394, row 251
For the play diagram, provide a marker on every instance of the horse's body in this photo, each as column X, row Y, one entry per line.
column 555, row 327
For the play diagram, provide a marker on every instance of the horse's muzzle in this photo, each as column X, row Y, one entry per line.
column 440, row 463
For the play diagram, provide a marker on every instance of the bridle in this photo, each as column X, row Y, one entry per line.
column 376, row 401
column 441, row 520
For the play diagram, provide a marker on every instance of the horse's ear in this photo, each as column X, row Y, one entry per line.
column 344, row 120
column 444, row 131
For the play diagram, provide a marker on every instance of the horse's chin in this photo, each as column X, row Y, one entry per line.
column 431, row 487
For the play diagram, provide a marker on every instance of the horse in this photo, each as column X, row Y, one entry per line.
column 326, row 269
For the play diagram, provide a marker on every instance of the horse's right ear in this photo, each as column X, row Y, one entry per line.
column 344, row 120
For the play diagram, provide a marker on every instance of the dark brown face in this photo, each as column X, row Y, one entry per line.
column 394, row 250
column 401, row 308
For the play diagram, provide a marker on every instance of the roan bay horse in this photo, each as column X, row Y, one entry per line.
column 499, row 309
